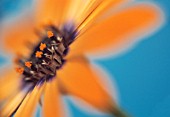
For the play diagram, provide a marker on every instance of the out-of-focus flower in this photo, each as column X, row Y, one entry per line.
column 62, row 33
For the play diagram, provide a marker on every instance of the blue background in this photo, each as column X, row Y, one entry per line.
column 142, row 74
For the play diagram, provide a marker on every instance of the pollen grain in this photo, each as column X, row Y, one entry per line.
column 42, row 46
column 20, row 70
column 28, row 64
column 38, row 54
column 50, row 34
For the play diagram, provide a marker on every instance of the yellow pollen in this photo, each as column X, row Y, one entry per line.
column 38, row 54
column 28, row 64
column 20, row 70
column 42, row 46
column 50, row 34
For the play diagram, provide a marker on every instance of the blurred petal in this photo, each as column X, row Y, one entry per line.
column 52, row 103
column 9, row 84
column 50, row 11
column 79, row 79
column 95, row 10
column 119, row 29
column 28, row 106
column 73, row 9
column 19, row 33
column 79, row 9
column 12, row 104
column 86, row 7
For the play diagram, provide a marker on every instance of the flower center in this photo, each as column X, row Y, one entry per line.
column 47, row 57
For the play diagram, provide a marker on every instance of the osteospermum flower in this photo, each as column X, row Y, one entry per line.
column 52, row 41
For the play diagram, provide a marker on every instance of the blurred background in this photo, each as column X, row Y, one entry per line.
column 142, row 74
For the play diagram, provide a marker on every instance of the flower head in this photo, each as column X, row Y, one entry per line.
column 57, row 64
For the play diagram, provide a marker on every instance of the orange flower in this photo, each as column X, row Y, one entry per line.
column 96, row 27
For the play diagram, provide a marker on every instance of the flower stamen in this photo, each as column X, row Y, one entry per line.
column 38, row 54
column 28, row 64
column 42, row 46
column 50, row 34
column 19, row 70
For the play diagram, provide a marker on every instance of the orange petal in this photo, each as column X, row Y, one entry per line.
column 19, row 33
column 9, row 83
column 29, row 104
column 79, row 79
column 95, row 10
column 50, row 11
column 122, row 28
column 75, row 10
column 12, row 104
column 52, row 103
column 86, row 8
